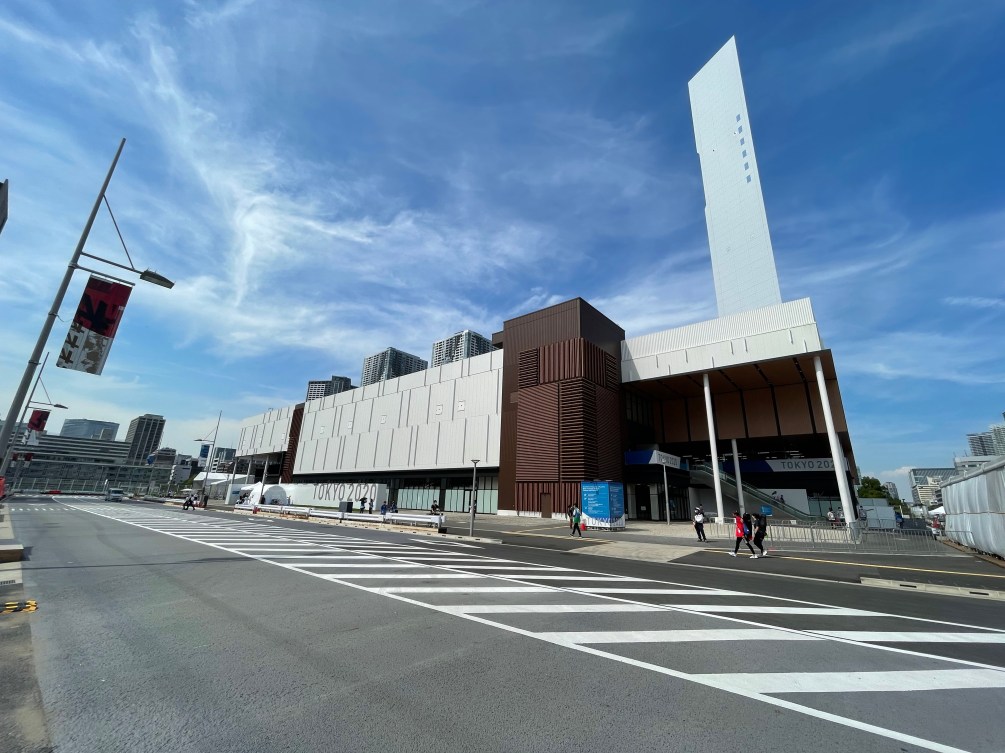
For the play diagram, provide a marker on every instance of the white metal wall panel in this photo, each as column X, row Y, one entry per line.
column 476, row 437
column 370, row 391
column 451, row 371
column 361, row 419
column 382, row 453
column 401, row 445
column 450, row 448
column 480, row 364
column 366, row 451
column 418, row 406
column 386, row 412
column 346, row 416
column 350, row 452
column 426, row 445
column 768, row 319
column 411, row 381
column 477, row 394
column 441, row 402
column 266, row 432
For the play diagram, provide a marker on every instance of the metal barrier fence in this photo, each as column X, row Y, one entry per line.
column 817, row 537
column 438, row 522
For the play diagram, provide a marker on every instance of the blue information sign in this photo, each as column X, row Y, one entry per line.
column 603, row 504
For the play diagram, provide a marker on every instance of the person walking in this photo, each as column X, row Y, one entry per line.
column 577, row 516
column 742, row 534
column 760, row 531
column 571, row 513
column 699, row 524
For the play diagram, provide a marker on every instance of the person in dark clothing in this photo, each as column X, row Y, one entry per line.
column 742, row 534
column 760, row 531
column 699, row 524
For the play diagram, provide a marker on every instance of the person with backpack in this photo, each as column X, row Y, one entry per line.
column 742, row 534
column 571, row 512
column 699, row 523
column 577, row 515
column 760, row 531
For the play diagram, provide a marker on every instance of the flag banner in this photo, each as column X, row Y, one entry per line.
column 36, row 425
column 37, row 420
column 94, row 325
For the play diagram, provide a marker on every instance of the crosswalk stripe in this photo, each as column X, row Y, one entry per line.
column 658, row 591
column 540, row 568
column 612, row 606
column 314, row 563
column 593, row 578
column 754, row 611
column 462, row 590
column 674, row 636
column 325, row 556
column 395, row 576
column 867, row 636
column 859, row 682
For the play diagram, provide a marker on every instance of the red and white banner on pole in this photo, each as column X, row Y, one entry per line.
column 94, row 325
column 36, row 425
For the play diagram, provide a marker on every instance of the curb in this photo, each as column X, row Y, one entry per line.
column 901, row 585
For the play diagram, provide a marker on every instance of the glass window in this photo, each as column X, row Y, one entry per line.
column 743, row 155
column 742, row 142
column 748, row 180
column 746, row 165
column 739, row 129
column 738, row 120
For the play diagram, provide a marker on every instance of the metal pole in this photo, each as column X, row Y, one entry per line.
column 736, row 474
column 209, row 462
column 836, row 455
column 474, row 496
column 57, row 302
column 233, row 472
column 721, row 511
column 666, row 493
column 24, row 411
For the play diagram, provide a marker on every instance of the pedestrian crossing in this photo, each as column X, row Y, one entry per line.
column 654, row 625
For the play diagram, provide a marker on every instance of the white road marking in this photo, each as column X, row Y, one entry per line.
column 862, row 682
column 396, row 576
column 314, row 563
column 892, row 636
column 568, row 638
column 461, row 590
column 754, row 611
column 546, row 608
column 662, row 591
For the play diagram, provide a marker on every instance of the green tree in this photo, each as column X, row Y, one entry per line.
column 872, row 489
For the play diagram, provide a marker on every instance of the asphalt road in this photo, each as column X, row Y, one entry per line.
column 161, row 629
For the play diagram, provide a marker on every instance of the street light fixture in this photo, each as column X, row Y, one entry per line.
column 9, row 448
column 474, row 495
column 73, row 265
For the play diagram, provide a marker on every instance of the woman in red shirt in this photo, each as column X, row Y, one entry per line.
column 742, row 534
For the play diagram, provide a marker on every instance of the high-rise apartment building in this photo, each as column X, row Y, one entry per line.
column 891, row 489
column 319, row 388
column 459, row 346
column 981, row 443
column 997, row 439
column 144, row 436
column 743, row 262
column 389, row 364
column 926, row 482
column 85, row 428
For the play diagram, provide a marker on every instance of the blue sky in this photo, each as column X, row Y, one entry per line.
column 326, row 179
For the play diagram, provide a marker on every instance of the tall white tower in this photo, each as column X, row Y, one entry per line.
column 743, row 263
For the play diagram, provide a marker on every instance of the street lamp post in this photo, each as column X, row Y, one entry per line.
column 43, row 336
column 474, row 495
column 209, row 461
column 31, row 399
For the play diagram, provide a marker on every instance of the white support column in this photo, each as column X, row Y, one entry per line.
column 736, row 473
column 836, row 454
column 720, row 509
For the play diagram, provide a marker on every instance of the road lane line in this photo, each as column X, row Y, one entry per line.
column 610, row 607
column 573, row 637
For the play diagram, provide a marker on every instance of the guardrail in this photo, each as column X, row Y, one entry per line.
column 439, row 522
column 841, row 538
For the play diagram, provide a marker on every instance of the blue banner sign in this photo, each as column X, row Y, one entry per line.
column 603, row 504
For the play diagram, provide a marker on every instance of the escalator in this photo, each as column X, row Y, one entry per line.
column 703, row 473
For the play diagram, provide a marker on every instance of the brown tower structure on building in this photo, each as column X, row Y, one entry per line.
column 561, row 406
